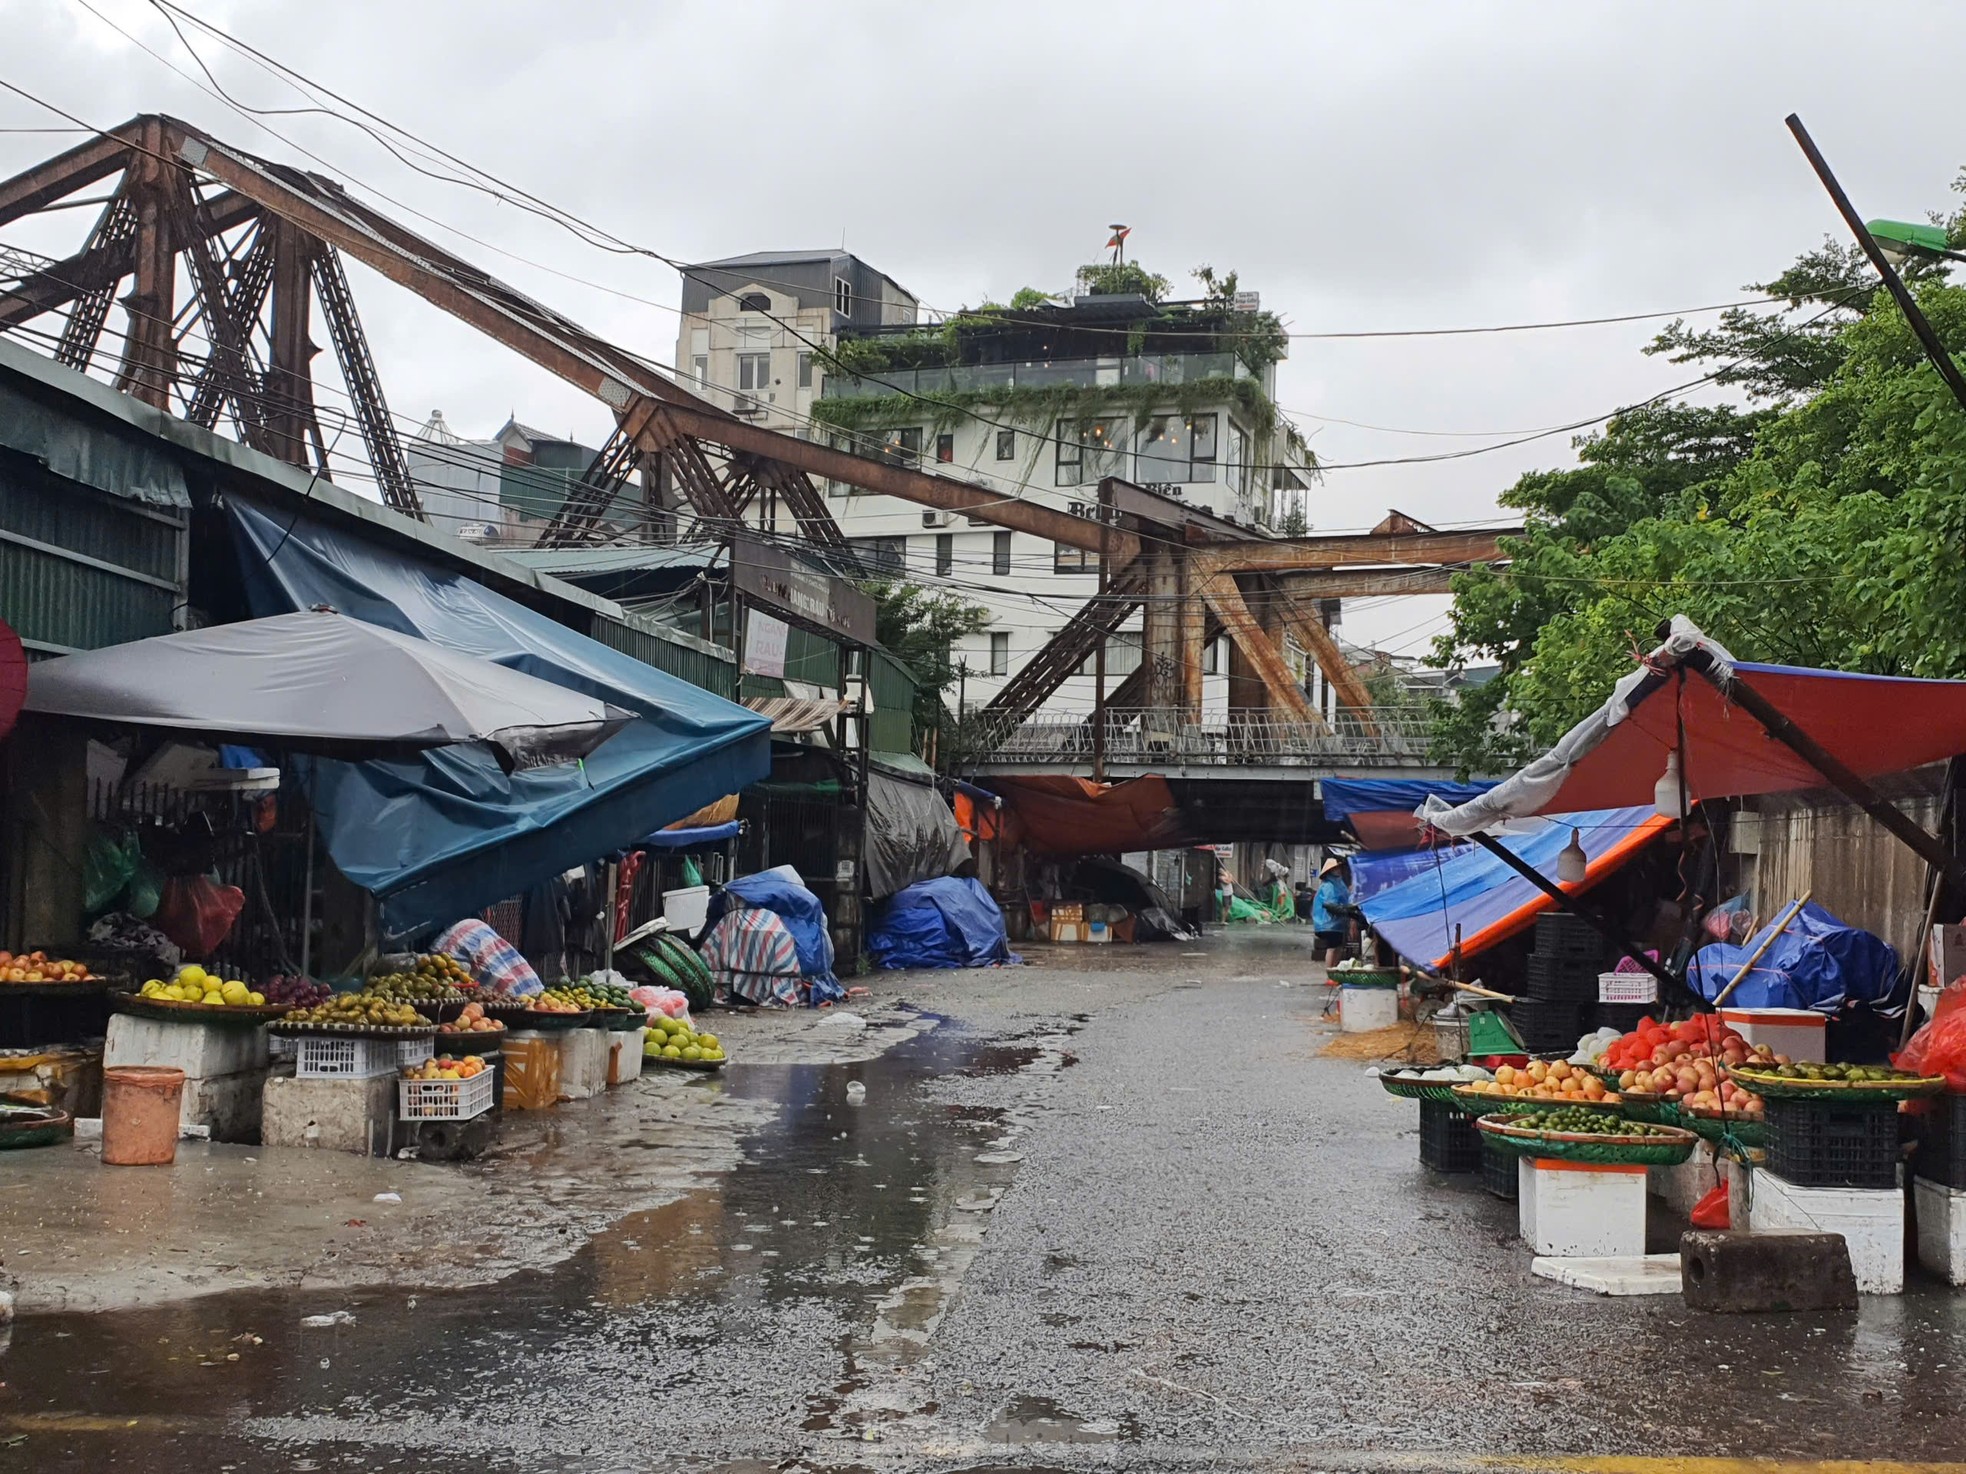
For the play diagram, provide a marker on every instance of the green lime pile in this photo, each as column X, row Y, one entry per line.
column 1583, row 1121
column 433, row 980
column 671, row 1038
column 588, row 994
column 1852, row 1074
column 366, row 1010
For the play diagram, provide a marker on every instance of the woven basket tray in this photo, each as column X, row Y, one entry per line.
column 1774, row 1087
column 351, row 1031
column 1716, row 1126
column 1643, row 1105
column 1440, row 1090
column 1478, row 1103
column 1509, row 1134
column 224, row 1015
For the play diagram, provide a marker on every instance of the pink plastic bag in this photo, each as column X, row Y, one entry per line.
column 198, row 913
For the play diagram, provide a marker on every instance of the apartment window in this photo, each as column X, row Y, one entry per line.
column 1000, row 553
column 1174, row 449
column 1089, row 450
column 805, row 370
column 885, row 557
column 701, row 364
column 1122, row 656
column 1211, row 658
column 1070, row 458
column 1067, row 559
column 1000, row 653
column 945, row 448
column 1006, row 445
column 843, row 296
column 753, row 372
column 903, row 446
column 945, row 553
column 845, row 443
column 754, row 302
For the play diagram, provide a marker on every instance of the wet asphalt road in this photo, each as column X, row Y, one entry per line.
column 1154, row 1231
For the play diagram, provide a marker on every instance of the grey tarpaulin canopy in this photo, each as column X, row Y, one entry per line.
column 325, row 683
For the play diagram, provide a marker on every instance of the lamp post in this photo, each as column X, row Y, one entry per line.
column 1904, row 241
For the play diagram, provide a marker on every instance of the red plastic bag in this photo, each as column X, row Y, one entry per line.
column 198, row 913
column 1939, row 1047
column 1715, row 1210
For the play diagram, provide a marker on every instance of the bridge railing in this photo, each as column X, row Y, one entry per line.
column 1150, row 736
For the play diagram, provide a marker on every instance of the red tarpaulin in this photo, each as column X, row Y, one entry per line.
column 13, row 677
column 1054, row 815
column 1873, row 724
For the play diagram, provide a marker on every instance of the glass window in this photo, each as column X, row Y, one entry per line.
column 702, row 367
column 999, row 653
column 754, row 302
column 1067, row 559
column 1068, row 456
column 842, row 296
column 1122, row 656
column 1174, row 450
column 1201, row 451
column 1000, row 553
column 886, row 557
column 753, row 372
column 945, row 553
column 1006, row 445
column 1211, row 658
column 805, row 370
column 904, row 445
column 945, row 448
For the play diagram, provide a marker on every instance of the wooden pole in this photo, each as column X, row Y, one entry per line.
column 1748, row 966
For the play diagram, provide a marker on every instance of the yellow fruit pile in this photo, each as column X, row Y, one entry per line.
column 1543, row 1080
column 671, row 1038
column 192, row 984
column 443, row 1067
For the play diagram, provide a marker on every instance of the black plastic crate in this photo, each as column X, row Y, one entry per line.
column 1448, row 1139
column 1560, row 933
column 1815, row 1143
column 1942, row 1142
column 1562, row 983
column 1544, row 1025
column 1623, row 1017
column 1499, row 1172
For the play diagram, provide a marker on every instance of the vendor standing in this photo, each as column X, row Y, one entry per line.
column 1331, row 910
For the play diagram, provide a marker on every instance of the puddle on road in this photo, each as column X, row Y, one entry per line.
column 1040, row 1420
column 834, row 1249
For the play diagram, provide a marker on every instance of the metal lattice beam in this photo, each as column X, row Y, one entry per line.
column 351, row 346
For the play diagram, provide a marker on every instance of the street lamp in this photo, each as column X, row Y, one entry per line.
column 1902, row 241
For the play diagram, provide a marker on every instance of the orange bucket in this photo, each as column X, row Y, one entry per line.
column 140, row 1115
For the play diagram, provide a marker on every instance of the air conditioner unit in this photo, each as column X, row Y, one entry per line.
column 938, row 519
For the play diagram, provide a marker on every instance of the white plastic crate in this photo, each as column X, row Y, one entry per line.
column 445, row 1100
column 1627, row 987
column 329, row 1057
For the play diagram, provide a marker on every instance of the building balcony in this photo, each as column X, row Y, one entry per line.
column 1154, row 368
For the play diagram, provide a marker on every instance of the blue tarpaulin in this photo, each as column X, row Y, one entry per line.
column 684, row 839
column 1817, row 962
column 781, row 891
column 1473, row 893
column 1343, row 797
column 946, row 923
column 446, row 833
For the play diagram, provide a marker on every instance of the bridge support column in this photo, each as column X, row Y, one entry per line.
column 1161, row 649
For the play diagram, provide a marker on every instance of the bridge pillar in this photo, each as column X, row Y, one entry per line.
column 1162, row 629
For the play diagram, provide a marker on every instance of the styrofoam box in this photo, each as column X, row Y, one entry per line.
column 1941, row 1229
column 1581, row 1210
column 1871, row 1220
column 1800, row 1033
column 686, row 909
column 200, row 1050
column 1361, row 1010
column 583, row 1063
column 1682, row 1187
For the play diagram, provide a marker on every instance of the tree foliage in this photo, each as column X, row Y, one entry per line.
column 920, row 627
column 1824, row 525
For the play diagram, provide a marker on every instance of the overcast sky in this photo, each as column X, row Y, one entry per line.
column 1365, row 167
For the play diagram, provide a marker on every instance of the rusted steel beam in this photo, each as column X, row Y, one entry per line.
column 290, row 421
column 150, row 350
column 1284, row 555
column 1358, row 583
column 114, row 235
column 1317, row 640
column 67, row 172
column 1220, row 593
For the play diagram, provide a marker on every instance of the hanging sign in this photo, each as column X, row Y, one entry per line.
column 764, row 644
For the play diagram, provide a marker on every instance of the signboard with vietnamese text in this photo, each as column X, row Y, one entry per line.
column 764, row 644
column 808, row 597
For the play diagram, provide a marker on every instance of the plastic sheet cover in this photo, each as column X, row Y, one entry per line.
column 1817, row 962
column 781, row 891
column 911, row 835
column 446, row 833
column 947, row 923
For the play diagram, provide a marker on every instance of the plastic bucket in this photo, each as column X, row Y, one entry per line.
column 140, row 1115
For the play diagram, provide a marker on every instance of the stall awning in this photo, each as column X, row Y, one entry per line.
column 1057, row 815
column 794, row 714
column 1872, row 724
column 689, row 839
column 446, row 833
column 1380, row 811
column 1470, row 889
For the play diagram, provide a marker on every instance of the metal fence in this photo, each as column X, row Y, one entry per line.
column 1398, row 735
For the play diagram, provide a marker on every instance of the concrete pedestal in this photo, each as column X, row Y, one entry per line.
column 1361, row 1010
column 583, row 1063
column 1871, row 1220
column 337, row 1115
column 1941, row 1214
column 227, row 1107
column 200, row 1050
column 1581, row 1210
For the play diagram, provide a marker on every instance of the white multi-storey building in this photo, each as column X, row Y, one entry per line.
column 1038, row 401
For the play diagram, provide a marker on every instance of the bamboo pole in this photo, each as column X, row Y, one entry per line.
column 1748, row 966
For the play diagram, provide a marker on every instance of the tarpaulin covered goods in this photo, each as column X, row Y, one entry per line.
column 946, row 923
column 1816, row 962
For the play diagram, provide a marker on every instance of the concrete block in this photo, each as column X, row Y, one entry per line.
column 1681, row 1187
column 583, row 1063
column 1870, row 1219
column 337, row 1115
column 1361, row 1010
column 228, row 1107
column 1581, row 1210
column 200, row 1050
column 1732, row 1273
column 1941, row 1214
column 1649, row 1274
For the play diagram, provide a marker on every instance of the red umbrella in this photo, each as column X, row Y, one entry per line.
column 13, row 677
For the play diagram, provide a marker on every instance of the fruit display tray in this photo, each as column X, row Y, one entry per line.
column 701, row 1065
column 1481, row 1103
column 545, row 1023
column 1440, row 1090
column 1776, row 1087
column 353, row 1031
column 620, row 1020
column 1650, row 1150
column 53, row 990
column 1719, row 1125
column 439, row 1010
column 23, row 1125
column 224, row 1015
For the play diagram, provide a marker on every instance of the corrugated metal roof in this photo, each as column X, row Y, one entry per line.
column 793, row 714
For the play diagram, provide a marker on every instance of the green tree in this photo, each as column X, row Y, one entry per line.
column 920, row 627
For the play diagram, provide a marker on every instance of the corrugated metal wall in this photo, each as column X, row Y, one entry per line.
column 1859, row 872
column 653, row 646
column 892, row 687
column 808, row 657
column 79, row 569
